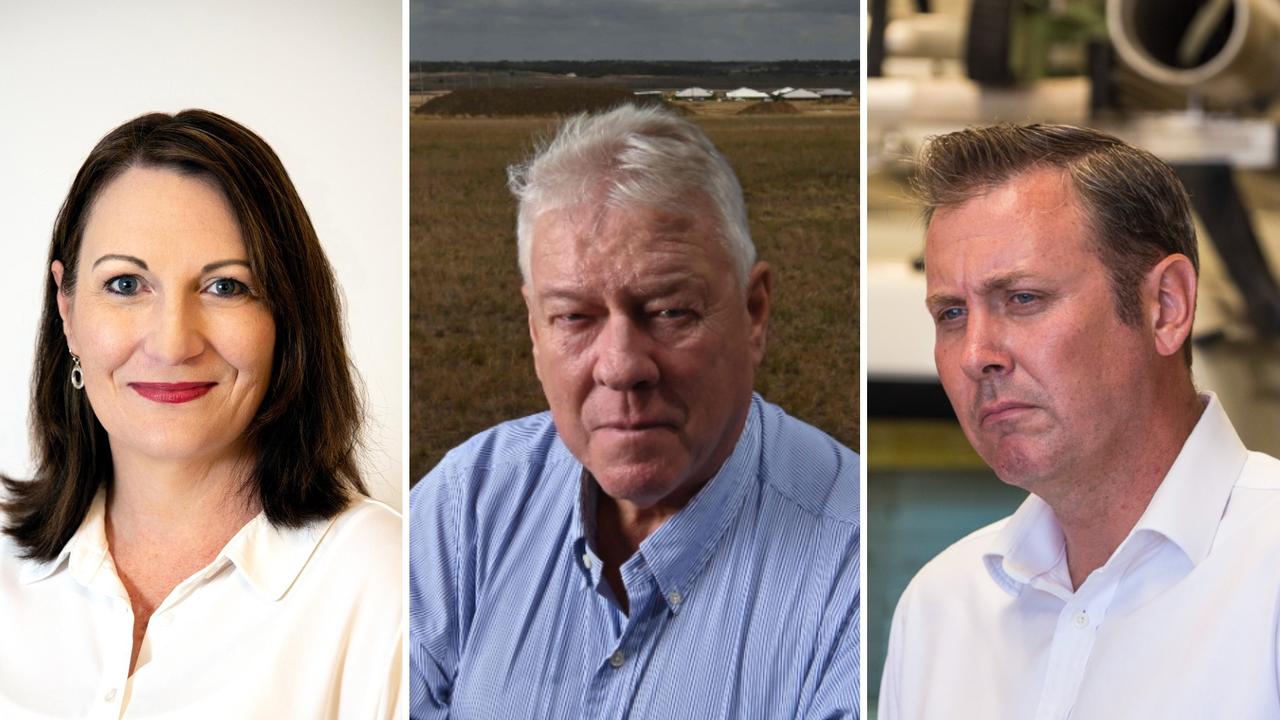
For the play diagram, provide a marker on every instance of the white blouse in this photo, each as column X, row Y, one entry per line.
column 303, row 623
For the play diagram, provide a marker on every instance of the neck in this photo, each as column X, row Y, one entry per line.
column 1097, row 507
column 179, row 503
column 622, row 525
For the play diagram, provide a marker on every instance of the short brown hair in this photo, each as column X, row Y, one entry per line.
column 1137, row 210
column 306, row 429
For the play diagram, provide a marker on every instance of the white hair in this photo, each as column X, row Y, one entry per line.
column 626, row 157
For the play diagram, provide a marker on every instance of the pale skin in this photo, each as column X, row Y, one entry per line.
column 163, row 295
column 1053, row 390
column 646, row 346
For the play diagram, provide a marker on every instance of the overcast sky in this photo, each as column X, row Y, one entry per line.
column 633, row 29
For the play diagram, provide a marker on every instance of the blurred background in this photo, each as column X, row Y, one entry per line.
column 488, row 80
column 1195, row 82
column 320, row 82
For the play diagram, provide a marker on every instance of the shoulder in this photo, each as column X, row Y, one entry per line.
column 949, row 576
column 808, row 466
column 526, row 441
column 1254, row 502
column 511, row 442
column 12, row 565
column 1248, row 535
column 1261, row 472
column 509, row 458
column 367, row 523
column 364, row 541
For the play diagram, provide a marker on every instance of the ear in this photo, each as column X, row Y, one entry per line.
column 64, row 305
column 759, row 296
column 1172, row 283
column 527, row 293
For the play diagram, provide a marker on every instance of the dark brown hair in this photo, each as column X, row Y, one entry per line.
column 306, row 430
column 1137, row 209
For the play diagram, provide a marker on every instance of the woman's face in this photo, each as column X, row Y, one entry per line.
column 173, row 336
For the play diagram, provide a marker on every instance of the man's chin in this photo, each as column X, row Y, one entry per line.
column 642, row 484
column 1019, row 463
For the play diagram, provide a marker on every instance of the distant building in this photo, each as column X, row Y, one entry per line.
column 746, row 93
column 695, row 93
column 800, row 94
column 782, row 91
column 834, row 94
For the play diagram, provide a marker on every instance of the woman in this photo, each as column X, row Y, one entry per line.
column 197, row 541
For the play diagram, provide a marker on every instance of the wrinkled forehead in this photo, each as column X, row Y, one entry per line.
column 627, row 241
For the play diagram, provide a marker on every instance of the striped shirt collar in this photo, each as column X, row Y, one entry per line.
column 677, row 551
column 1185, row 510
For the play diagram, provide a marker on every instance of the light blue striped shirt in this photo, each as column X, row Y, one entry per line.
column 744, row 604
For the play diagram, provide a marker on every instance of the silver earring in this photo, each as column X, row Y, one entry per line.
column 77, row 375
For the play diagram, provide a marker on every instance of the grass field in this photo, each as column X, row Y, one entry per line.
column 470, row 364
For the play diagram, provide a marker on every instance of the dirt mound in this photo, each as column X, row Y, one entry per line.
column 776, row 107
column 551, row 100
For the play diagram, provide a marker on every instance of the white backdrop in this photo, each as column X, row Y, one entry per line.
column 319, row 81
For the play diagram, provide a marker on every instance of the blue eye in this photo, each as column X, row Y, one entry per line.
column 950, row 313
column 569, row 319
column 123, row 285
column 1023, row 298
column 674, row 314
column 228, row 287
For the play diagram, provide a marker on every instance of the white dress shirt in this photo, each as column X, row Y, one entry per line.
column 1181, row 621
column 303, row 623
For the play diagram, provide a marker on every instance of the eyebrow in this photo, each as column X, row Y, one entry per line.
column 939, row 300
column 223, row 263
column 1004, row 282
column 142, row 264
column 559, row 293
column 662, row 287
column 999, row 282
column 126, row 258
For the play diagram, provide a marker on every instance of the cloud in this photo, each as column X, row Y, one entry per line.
column 633, row 29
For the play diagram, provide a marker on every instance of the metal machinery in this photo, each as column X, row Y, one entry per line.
column 1193, row 81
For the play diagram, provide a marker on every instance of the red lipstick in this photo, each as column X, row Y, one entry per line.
column 172, row 393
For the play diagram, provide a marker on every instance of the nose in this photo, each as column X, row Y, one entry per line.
column 175, row 335
column 624, row 356
column 985, row 352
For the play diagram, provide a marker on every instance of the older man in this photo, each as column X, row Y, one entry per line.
column 1141, row 577
column 662, row 543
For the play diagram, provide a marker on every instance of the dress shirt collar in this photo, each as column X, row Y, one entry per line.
column 270, row 558
column 678, row 550
column 83, row 554
column 1185, row 509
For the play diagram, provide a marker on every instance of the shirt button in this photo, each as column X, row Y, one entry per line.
column 674, row 598
column 111, row 695
column 1081, row 620
column 586, row 561
column 617, row 659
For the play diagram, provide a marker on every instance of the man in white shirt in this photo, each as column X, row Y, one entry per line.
column 1141, row 578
